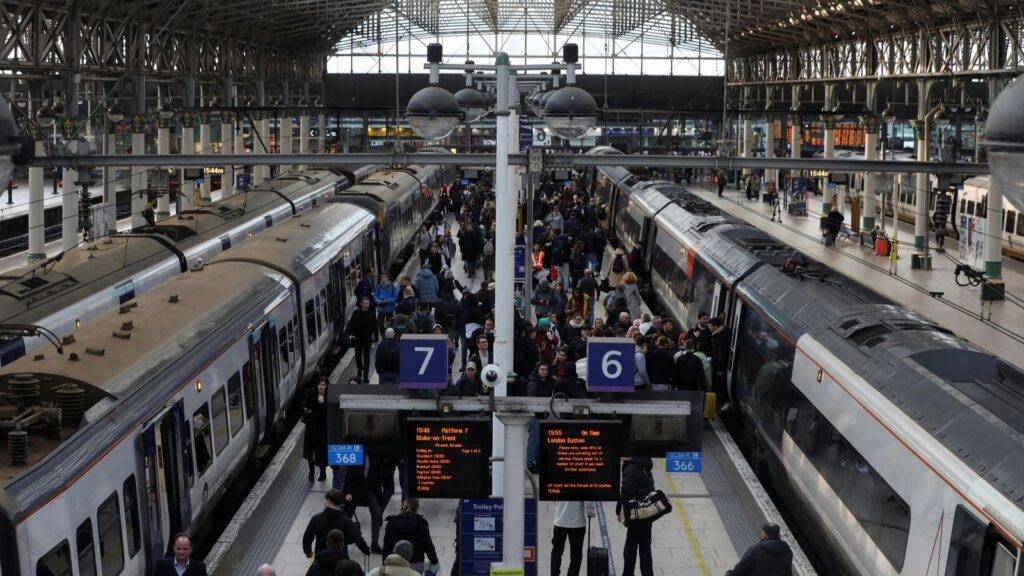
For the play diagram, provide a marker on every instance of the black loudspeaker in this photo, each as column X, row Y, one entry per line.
column 570, row 53
column 434, row 53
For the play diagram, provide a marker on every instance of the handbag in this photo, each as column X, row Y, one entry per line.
column 648, row 508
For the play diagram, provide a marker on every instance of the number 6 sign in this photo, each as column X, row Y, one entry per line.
column 423, row 361
column 611, row 364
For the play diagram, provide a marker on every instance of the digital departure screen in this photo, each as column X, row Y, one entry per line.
column 449, row 457
column 579, row 460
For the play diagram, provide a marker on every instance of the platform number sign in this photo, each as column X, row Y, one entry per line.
column 423, row 361
column 345, row 454
column 683, row 462
column 611, row 364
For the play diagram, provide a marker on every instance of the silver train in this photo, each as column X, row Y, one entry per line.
column 896, row 444
column 99, row 276
column 153, row 410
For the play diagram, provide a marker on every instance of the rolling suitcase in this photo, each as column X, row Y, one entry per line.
column 597, row 557
column 710, row 405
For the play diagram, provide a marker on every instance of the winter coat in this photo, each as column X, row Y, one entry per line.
column 470, row 244
column 424, row 321
column 389, row 294
column 386, row 358
column 766, row 558
column 640, row 378
column 543, row 299
column 406, row 305
column 637, row 481
column 314, row 441
column 445, row 311
column 394, row 565
column 525, row 357
column 688, row 372
column 414, row 528
column 660, row 366
column 633, row 300
column 362, row 326
column 325, row 561
column 469, row 388
column 615, row 278
column 426, row 285
column 538, row 387
column 322, row 523
column 435, row 261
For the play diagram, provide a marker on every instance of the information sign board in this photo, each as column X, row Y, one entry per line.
column 579, row 460
column 520, row 260
column 244, row 181
column 423, row 361
column 449, row 457
column 611, row 364
column 685, row 462
column 481, row 536
column 345, row 454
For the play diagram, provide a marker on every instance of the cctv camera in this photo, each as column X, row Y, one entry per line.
column 491, row 375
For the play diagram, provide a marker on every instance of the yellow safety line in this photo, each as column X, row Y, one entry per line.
column 694, row 546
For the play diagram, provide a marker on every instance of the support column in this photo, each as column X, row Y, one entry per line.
column 227, row 146
column 163, row 146
column 922, row 189
column 515, row 484
column 303, row 135
column 284, row 130
column 188, row 136
column 321, row 125
column 69, row 195
column 239, row 148
column 205, row 147
column 504, row 301
column 829, row 123
column 260, row 146
column 36, row 224
column 748, row 140
column 870, row 124
column 109, row 186
column 995, row 288
column 769, row 147
column 139, row 188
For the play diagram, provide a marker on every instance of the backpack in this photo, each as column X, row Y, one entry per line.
column 489, row 248
column 618, row 266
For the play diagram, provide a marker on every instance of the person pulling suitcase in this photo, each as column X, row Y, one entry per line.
column 597, row 556
column 571, row 521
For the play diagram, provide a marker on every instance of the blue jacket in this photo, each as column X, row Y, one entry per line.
column 389, row 294
column 426, row 285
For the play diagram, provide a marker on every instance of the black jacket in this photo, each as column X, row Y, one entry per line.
column 766, row 558
column 165, row 567
column 637, row 481
column 362, row 326
column 720, row 343
column 414, row 528
column 325, row 561
column 386, row 359
column 688, row 373
column 322, row 523
column 469, row 387
column 660, row 365
column 525, row 356
column 314, row 441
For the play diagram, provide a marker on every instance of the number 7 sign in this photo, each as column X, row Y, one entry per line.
column 423, row 361
column 611, row 364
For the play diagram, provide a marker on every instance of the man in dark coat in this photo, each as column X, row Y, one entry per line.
column 721, row 340
column 637, row 482
column 362, row 333
column 410, row 526
column 700, row 333
column 470, row 245
column 525, row 357
column 689, row 370
column 182, row 560
column 469, row 384
column 331, row 518
column 769, row 557
column 325, row 561
column 386, row 358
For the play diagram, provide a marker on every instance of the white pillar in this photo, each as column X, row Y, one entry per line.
column 993, row 247
column 503, row 258
column 303, row 136
column 284, row 131
column 239, row 149
column 748, row 141
column 205, row 147
column 922, row 188
column 69, row 204
column 227, row 146
column 321, row 124
column 769, row 147
column 36, row 225
column 163, row 146
column 870, row 153
column 139, row 197
column 515, row 484
column 794, row 139
column 261, row 147
column 829, row 124
column 109, row 186
column 188, row 140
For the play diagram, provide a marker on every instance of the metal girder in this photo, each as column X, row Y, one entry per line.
column 561, row 160
column 478, row 404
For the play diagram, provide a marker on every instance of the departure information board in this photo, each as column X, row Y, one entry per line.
column 449, row 457
column 579, row 460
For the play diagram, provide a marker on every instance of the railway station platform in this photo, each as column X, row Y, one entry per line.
column 997, row 328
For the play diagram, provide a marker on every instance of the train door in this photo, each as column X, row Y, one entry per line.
column 720, row 301
column 262, row 353
column 977, row 550
column 735, row 330
column 337, row 280
column 166, row 464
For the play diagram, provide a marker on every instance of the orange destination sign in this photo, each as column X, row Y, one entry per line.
column 579, row 460
column 448, row 457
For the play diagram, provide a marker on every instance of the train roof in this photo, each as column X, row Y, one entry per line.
column 969, row 400
column 132, row 359
column 388, row 185
column 303, row 244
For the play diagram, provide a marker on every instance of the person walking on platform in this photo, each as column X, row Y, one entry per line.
column 386, row 296
column 769, row 557
column 329, row 519
column 397, row 564
column 637, row 482
column 366, row 485
column 314, row 442
column 362, row 334
column 570, row 523
column 348, row 568
column 181, row 563
column 325, row 561
column 411, row 526
column 386, row 358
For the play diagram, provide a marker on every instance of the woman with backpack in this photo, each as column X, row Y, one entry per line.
column 618, row 266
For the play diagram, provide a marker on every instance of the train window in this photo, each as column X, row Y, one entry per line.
column 220, row 421
column 57, row 562
column 86, row 550
column 965, row 544
column 316, row 314
column 108, row 524
column 764, row 365
column 250, row 393
column 310, row 321
column 879, row 509
column 282, row 337
column 201, row 437
column 1003, row 561
column 124, row 291
column 970, row 207
column 268, row 220
column 1009, row 219
column 291, row 338
column 323, row 309
column 131, row 515
column 1020, row 224
column 982, row 208
column 235, row 416
column 963, row 205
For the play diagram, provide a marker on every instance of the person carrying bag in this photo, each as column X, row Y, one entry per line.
column 639, row 505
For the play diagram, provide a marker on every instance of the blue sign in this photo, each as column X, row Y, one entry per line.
column 423, row 361
column 243, row 181
column 684, row 462
column 611, row 364
column 525, row 134
column 480, row 536
column 345, row 454
column 520, row 259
